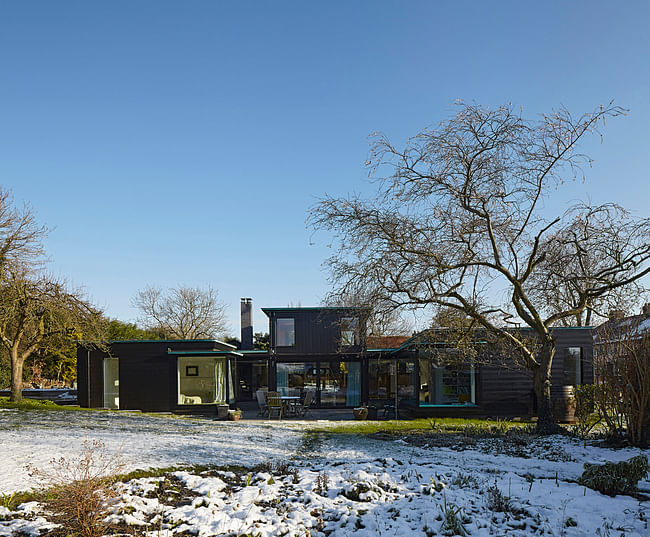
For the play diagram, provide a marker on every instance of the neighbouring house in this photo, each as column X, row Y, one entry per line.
column 620, row 345
column 611, row 337
column 323, row 350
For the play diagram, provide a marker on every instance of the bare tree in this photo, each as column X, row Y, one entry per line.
column 40, row 313
column 182, row 312
column 460, row 219
column 578, row 257
column 20, row 236
column 381, row 319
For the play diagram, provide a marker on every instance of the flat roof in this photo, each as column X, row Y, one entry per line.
column 323, row 308
column 171, row 341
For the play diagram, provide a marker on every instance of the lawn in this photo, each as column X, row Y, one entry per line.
column 420, row 478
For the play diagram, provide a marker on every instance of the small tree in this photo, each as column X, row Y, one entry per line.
column 182, row 312
column 261, row 341
column 460, row 220
column 40, row 313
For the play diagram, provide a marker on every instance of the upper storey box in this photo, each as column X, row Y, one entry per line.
column 317, row 331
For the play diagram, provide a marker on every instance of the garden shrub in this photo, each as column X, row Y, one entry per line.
column 614, row 478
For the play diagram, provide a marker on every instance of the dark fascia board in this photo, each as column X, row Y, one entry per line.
column 324, row 308
column 417, row 339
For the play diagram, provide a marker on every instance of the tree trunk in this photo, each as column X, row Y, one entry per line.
column 542, row 381
column 17, row 363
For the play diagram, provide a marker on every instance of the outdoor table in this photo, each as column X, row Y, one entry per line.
column 289, row 403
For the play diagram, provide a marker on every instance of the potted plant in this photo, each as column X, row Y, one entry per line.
column 360, row 413
column 234, row 415
column 222, row 411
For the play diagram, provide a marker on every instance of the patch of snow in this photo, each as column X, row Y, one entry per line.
column 337, row 485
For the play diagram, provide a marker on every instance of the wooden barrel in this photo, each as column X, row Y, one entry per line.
column 564, row 406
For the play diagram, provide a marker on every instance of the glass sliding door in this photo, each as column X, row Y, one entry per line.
column 111, row 383
column 294, row 378
column 388, row 377
column 335, row 384
column 340, row 383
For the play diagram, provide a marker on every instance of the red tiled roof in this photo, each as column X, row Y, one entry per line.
column 385, row 342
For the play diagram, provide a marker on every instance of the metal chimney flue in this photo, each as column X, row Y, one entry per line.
column 247, row 324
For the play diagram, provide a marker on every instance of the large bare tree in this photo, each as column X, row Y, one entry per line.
column 460, row 220
column 40, row 313
column 182, row 312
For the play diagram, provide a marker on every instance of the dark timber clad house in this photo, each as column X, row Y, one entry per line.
column 323, row 350
column 176, row 375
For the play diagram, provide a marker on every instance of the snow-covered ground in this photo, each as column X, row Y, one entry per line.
column 322, row 484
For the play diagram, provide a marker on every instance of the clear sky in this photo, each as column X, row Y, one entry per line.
column 183, row 142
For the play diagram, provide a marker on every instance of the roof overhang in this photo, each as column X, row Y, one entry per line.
column 204, row 354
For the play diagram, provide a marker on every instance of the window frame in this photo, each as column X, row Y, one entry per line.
column 291, row 333
column 350, row 326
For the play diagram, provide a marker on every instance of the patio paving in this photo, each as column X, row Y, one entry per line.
column 250, row 412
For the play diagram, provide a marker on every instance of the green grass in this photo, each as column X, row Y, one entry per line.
column 440, row 425
column 34, row 404
column 38, row 404
column 13, row 500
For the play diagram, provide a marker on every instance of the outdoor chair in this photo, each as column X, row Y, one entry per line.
column 261, row 401
column 274, row 405
column 390, row 411
column 304, row 407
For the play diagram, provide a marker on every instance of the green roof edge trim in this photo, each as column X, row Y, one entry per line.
column 170, row 341
column 203, row 353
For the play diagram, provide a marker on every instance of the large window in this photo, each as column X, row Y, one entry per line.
column 202, row 380
column 450, row 384
column 285, row 333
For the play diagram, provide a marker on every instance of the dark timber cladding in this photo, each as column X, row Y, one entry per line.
column 503, row 389
column 317, row 331
column 148, row 372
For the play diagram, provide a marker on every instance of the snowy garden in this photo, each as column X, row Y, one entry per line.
column 267, row 479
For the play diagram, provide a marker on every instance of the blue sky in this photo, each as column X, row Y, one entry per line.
column 178, row 142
